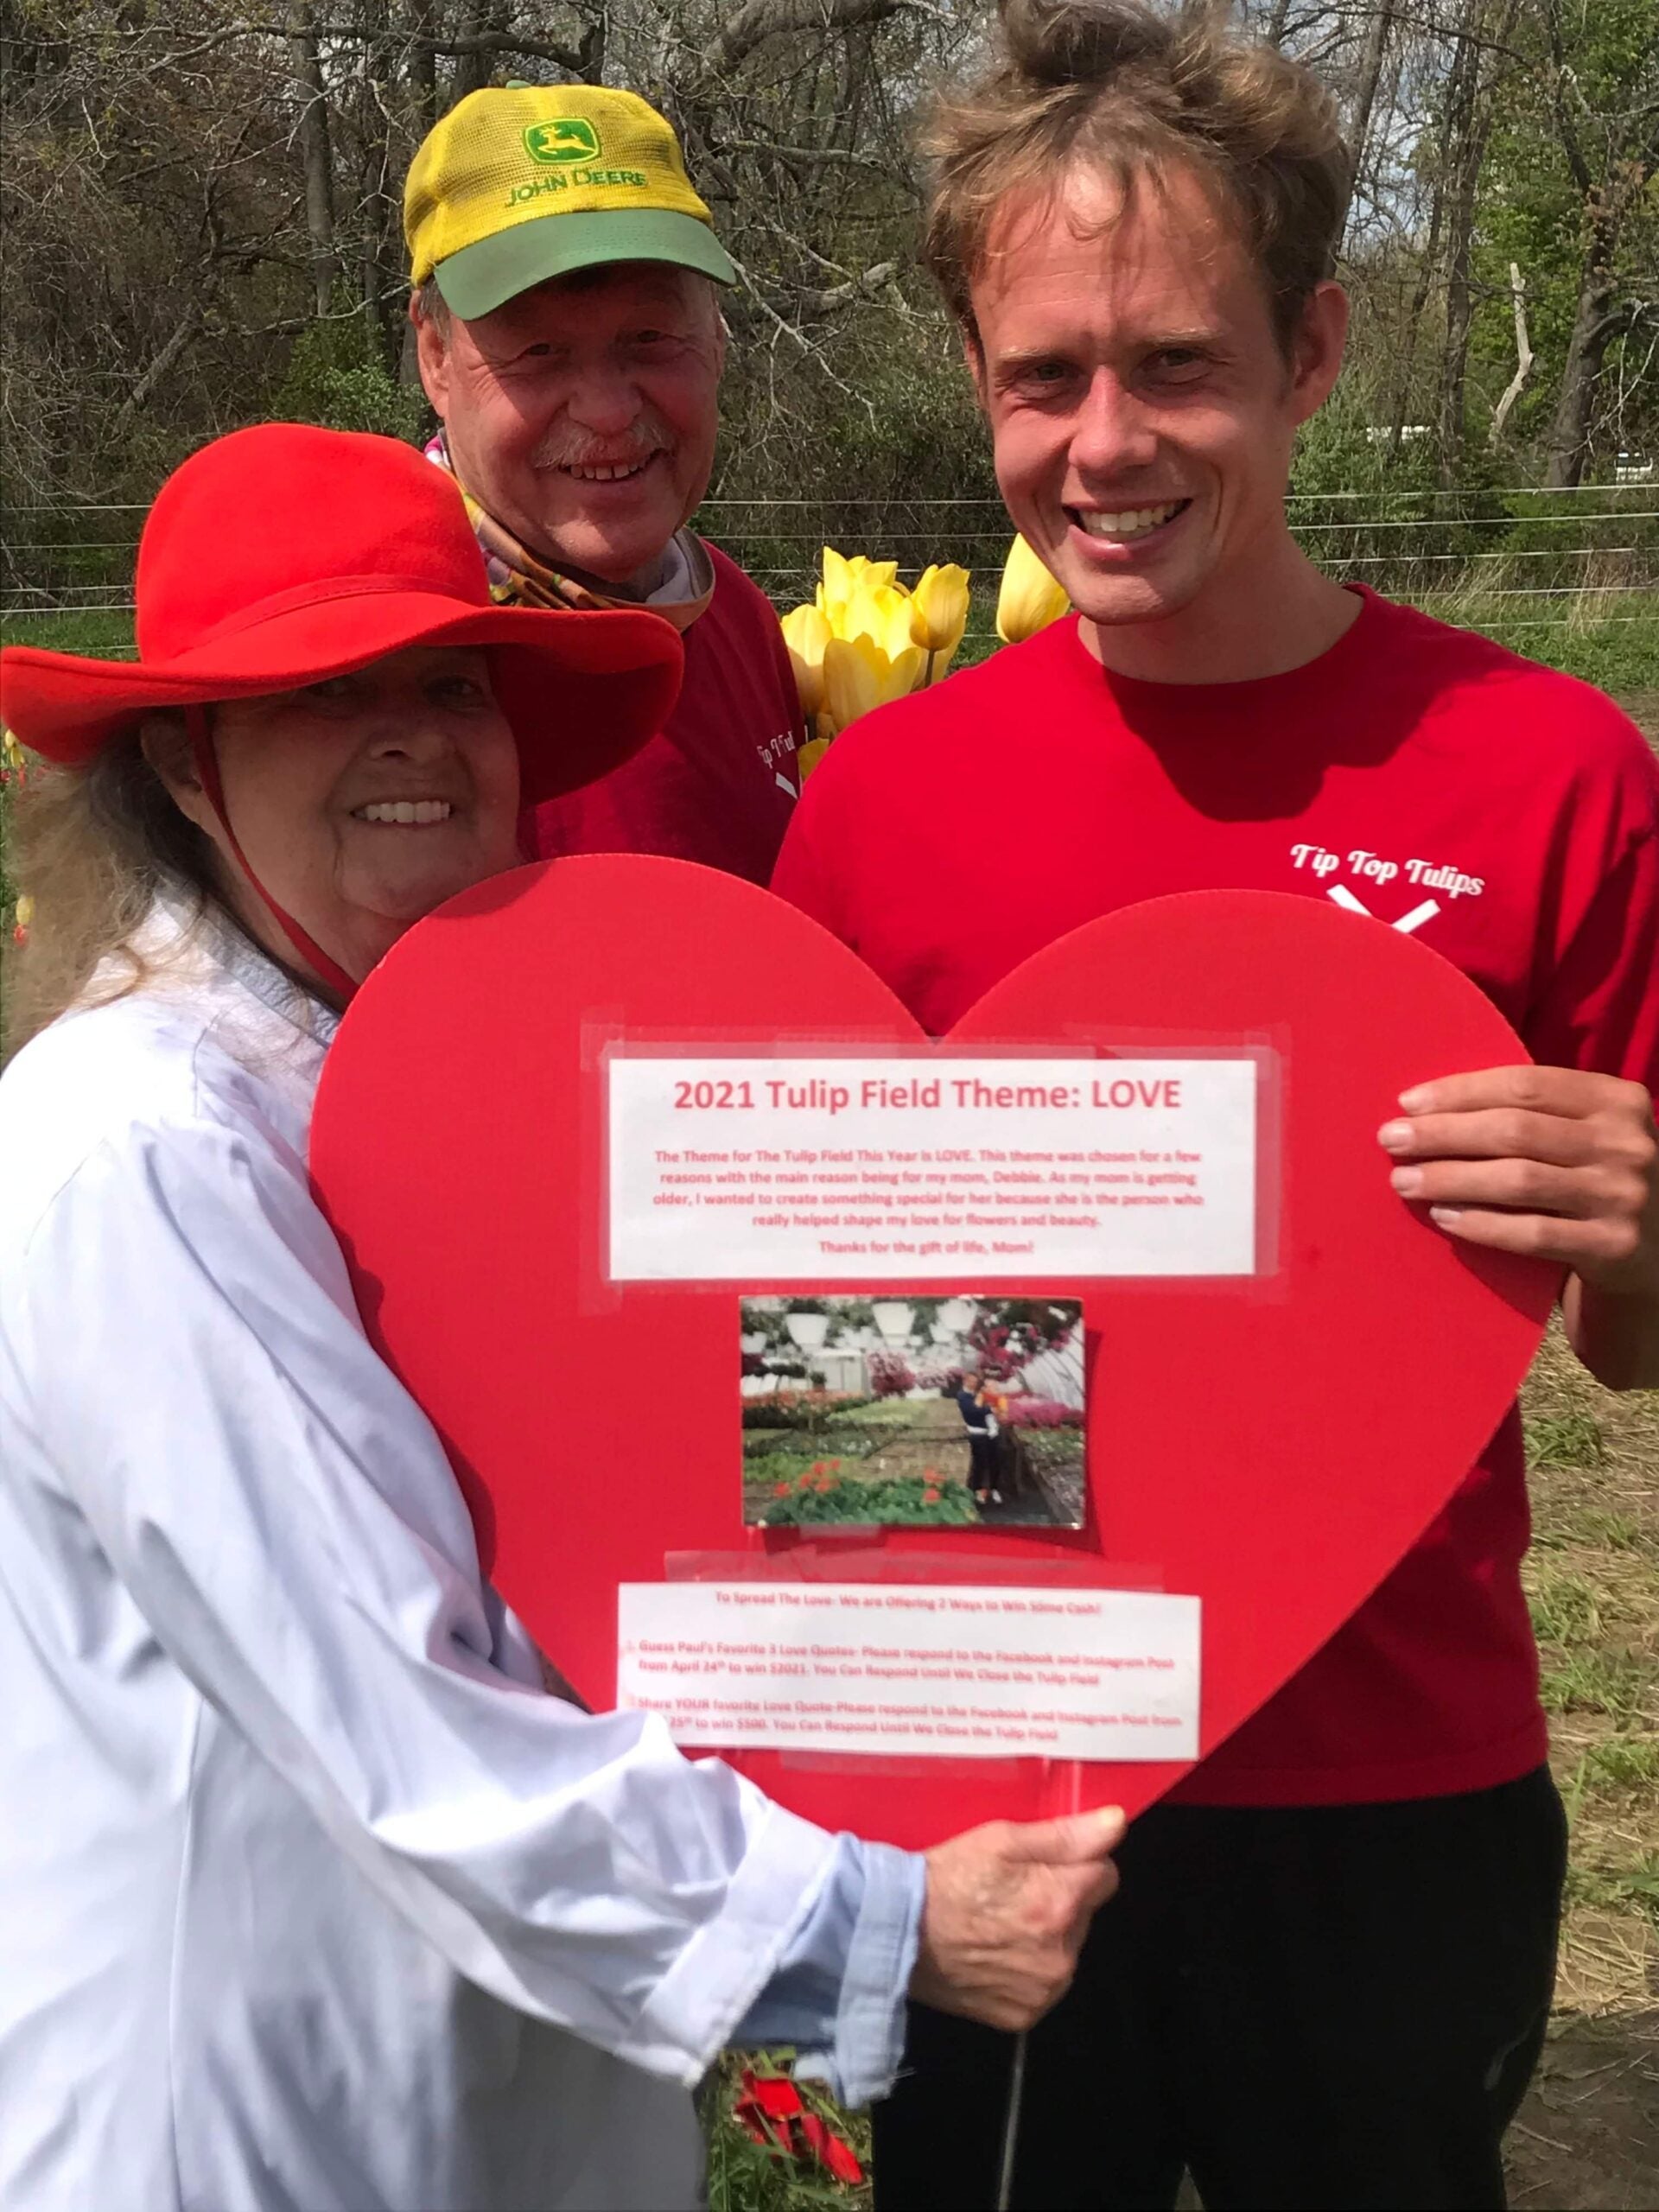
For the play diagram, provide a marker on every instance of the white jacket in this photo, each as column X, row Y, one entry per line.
column 311, row 1899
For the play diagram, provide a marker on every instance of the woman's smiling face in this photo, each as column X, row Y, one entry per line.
column 362, row 801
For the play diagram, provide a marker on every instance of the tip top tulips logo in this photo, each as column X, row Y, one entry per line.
column 867, row 639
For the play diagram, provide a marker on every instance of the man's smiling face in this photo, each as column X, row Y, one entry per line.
column 582, row 414
column 1142, row 408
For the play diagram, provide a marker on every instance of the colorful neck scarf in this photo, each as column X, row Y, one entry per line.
column 518, row 579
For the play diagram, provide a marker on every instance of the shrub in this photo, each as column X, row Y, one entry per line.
column 763, row 1444
column 890, row 1375
column 771, row 1413
column 335, row 376
column 798, row 1409
column 1042, row 1413
column 820, row 1495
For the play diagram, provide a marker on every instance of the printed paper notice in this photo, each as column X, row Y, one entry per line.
column 841, row 1170
column 950, row 1671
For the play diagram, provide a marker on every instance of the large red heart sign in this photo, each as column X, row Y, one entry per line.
column 1272, row 1445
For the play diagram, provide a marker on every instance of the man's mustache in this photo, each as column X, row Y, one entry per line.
column 648, row 434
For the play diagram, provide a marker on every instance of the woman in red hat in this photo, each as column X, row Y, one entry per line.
column 311, row 1899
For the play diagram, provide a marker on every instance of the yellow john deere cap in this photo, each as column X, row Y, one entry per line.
column 519, row 183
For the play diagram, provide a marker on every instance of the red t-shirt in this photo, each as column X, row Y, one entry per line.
column 950, row 836
column 719, row 783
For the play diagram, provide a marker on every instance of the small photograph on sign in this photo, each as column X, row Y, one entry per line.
column 912, row 1412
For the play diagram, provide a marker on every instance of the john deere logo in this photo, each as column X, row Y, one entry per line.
column 565, row 138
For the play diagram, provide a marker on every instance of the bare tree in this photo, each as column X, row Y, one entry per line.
column 1476, row 70
column 307, row 64
column 1612, row 159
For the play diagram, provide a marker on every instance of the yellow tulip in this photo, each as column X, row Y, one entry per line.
column 859, row 676
column 837, row 587
column 809, row 756
column 23, row 912
column 879, row 613
column 844, row 581
column 860, row 603
column 938, row 612
column 873, row 573
column 1030, row 598
column 806, row 632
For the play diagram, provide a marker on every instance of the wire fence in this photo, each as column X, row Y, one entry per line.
column 1521, row 557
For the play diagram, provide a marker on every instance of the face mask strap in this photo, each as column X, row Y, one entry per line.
column 199, row 729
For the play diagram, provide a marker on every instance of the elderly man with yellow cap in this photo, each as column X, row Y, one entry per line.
column 567, row 311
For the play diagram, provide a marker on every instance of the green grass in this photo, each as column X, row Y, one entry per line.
column 1624, row 1763
column 1612, row 1532
column 1609, row 639
column 1612, row 1683
column 882, row 1413
column 1564, row 1609
column 1629, row 1889
column 1569, row 1439
column 108, row 634
column 747, row 2177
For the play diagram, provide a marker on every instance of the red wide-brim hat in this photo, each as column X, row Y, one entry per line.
column 285, row 555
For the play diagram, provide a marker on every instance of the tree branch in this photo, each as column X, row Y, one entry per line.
column 1522, row 356
column 756, row 21
column 845, row 295
column 186, row 329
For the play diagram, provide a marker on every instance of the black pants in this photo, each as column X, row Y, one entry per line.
column 1322, row 2006
column 981, row 1460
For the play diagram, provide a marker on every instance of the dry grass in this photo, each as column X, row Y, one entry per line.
column 1589, row 2134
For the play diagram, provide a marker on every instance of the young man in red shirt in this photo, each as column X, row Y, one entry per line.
column 567, row 318
column 1326, row 1978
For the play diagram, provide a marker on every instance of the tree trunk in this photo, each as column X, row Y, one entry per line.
column 306, row 63
column 1370, row 71
column 1404, row 383
column 380, row 262
column 472, row 65
column 1593, row 325
column 1469, row 92
column 423, row 62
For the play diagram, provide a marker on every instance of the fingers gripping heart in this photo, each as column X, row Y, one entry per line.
column 1008, row 1908
column 1561, row 1163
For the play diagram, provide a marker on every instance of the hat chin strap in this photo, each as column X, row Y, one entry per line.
column 206, row 764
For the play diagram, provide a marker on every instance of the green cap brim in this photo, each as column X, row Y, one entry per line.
column 482, row 277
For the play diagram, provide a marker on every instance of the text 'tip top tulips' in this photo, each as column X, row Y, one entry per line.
column 867, row 640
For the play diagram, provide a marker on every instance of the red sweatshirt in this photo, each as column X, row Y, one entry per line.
column 719, row 784
column 1508, row 814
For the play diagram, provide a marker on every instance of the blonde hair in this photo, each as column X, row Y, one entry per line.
column 94, row 847
column 1109, row 84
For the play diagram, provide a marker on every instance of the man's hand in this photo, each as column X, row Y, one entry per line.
column 1007, row 1907
column 1560, row 1164
column 1554, row 1162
